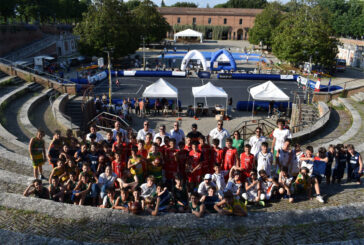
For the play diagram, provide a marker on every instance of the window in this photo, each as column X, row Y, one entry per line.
column 209, row 20
column 178, row 20
column 240, row 21
column 194, row 20
column 225, row 21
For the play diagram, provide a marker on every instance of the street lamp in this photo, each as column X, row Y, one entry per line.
column 109, row 69
column 143, row 52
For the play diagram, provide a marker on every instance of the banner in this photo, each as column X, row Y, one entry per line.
column 100, row 62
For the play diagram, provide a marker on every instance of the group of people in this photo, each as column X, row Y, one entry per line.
column 173, row 172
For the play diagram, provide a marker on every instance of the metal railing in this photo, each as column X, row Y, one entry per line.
column 106, row 121
column 247, row 128
column 309, row 125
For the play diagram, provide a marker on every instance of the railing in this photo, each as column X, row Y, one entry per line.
column 309, row 125
column 247, row 128
column 106, row 121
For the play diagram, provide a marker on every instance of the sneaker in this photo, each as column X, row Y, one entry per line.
column 262, row 203
column 320, row 199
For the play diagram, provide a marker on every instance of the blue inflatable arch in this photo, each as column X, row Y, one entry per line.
column 222, row 67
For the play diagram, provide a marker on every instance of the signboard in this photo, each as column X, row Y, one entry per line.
column 100, row 62
column 225, row 76
column 302, row 80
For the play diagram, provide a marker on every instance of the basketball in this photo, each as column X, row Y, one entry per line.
column 135, row 208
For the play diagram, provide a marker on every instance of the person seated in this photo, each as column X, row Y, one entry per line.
column 69, row 185
column 56, row 190
column 219, row 179
column 148, row 189
column 267, row 184
column 161, row 200
column 180, row 195
column 122, row 202
column 204, row 185
column 230, row 206
column 302, row 184
column 252, row 190
column 136, row 205
column 82, row 190
column 210, row 200
column 234, row 185
column 106, row 180
column 285, row 182
column 127, row 180
column 196, row 207
column 37, row 189
column 110, row 199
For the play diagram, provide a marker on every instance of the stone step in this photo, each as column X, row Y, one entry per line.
column 356, row 98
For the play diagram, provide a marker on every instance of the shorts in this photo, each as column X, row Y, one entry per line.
column 37, row 160
column 317, row 176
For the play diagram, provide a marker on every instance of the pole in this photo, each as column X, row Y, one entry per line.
column 143, row 55
column 110, row 82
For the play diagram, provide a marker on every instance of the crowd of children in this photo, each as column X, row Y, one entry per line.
column 170, row 172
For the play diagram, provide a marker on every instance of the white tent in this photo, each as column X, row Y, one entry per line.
column 194, row 55
column 188, row 33
column 161, row 88
column 208, row 90
column 267, row 91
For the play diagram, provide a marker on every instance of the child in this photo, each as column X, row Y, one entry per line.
column 135, row 165
column 162, row 201
column 231, row 157
column 70, row 185
column 81, row 190
column 264, row 159
column 302, row 183
column 110, row 199
column 37, row 153
column 194, row 166
column 331, row 156
column 219, row 179
column 93, row 157
column 234, row 184
column 252, row 188
column 171, row 165
column 122, row 202
column 118, row 166
column 206, row 152
column 284, row 156
column 296, row 163
column 285, row 184
column 210, row 200
column 37, row 189
column 246, row 162
column 180, row 195
column 136, row 206
column 217, row 152
column 182, row 156
column 340, row 164
column 355, row 165
column 196, row 207
column 230, row 206
column 148, row 189
column 267, row 184
column 280, row 134
column 56, row 191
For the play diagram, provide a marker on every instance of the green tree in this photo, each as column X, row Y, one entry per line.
column 264, row 25
column 132, row 4
column 7, row 9
column 184, row 5
column 108, row 24
column 242, row 4
column 163, row 4
column 152, row 24
column 304, row 34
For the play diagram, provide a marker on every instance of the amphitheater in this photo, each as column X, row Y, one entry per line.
column 26, row 106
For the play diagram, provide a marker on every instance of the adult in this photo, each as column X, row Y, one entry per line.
column 93, row 131
column 238, row 142
column 177, row 133
column 144, row 131
column 37, row 153
column 162, row 134
column 219, row 133
column 117, row 129
column 256, row 141
column 106, row 180
column 280, row 134
column 194, row 135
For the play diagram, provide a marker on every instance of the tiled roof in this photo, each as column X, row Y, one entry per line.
column 209, row 11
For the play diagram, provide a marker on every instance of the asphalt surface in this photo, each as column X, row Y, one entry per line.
column 237, row 89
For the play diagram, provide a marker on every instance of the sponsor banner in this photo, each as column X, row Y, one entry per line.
column 178, row 73
column 129, row 73
column 302, row 80
column 287, row 77
column 225, row 76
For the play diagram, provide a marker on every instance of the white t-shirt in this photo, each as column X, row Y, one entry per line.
column 109, row 181
column 256, row 143
column 159, row 135
column 232, row 186
column 177, row 135
column 99, row 137
column 281, row 136
column 141, row 133
column 123, row 131
column 202, row 188
column 222, row 135
column 264, row 162
column 147, row 191
column 219, row 180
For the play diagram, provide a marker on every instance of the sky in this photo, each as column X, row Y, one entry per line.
column 202, row 3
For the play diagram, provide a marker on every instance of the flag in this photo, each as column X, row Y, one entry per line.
column 317, row 86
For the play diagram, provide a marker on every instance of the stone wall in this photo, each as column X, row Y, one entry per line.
column 326, row 97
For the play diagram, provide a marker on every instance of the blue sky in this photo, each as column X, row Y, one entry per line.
column 202, row 3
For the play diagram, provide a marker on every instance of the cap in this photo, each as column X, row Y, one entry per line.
column 208, row 176
column 194, row 125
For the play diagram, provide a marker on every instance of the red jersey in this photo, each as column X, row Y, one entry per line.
column 170, row 165
column 207, row 164
column 246, row 163
column 123, row 150
column 195, row 159
column 230, row 156
column 118, row 168
column 217, row 155
column 182, row 157
column 143, row 153
column 188, row 148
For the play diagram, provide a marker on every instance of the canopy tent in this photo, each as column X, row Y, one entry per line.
column 208, row 90
column 222, row 55
column 189, row 33
column 161, row 88
column 267, row 91
column 194, row 55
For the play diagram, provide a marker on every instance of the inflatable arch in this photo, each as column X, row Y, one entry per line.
column 194, row 54
column 216, row 55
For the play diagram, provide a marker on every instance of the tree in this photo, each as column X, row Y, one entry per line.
column 207, row 5
column 108, row 24
column 132, row 4
column 264, row 25
column 184, row 5
column 242, row 4
column 304, row 34
column 152, row 24
column 7, row 9
column 163, row 4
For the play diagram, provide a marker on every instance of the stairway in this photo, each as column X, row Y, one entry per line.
column 359, row 97
column 74, row 111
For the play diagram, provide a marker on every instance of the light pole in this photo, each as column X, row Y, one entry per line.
column 143, row 53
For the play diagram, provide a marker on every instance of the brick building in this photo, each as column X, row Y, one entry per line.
column 239, row 21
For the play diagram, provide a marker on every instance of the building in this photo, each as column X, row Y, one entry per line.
column 352, row 51
column 237, row 21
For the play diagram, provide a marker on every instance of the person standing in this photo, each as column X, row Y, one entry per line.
column 194, row 135
column 238, row 142
column 219, row 133
column 37, row 153
column 162, row 133
column 144, row 131
column 177, row 133
column 256, row 141
column 117, row 129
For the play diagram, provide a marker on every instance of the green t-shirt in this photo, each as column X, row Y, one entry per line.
column 238, row 145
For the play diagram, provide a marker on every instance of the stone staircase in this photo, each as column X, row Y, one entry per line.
column 359, row 97
column 74, row 111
